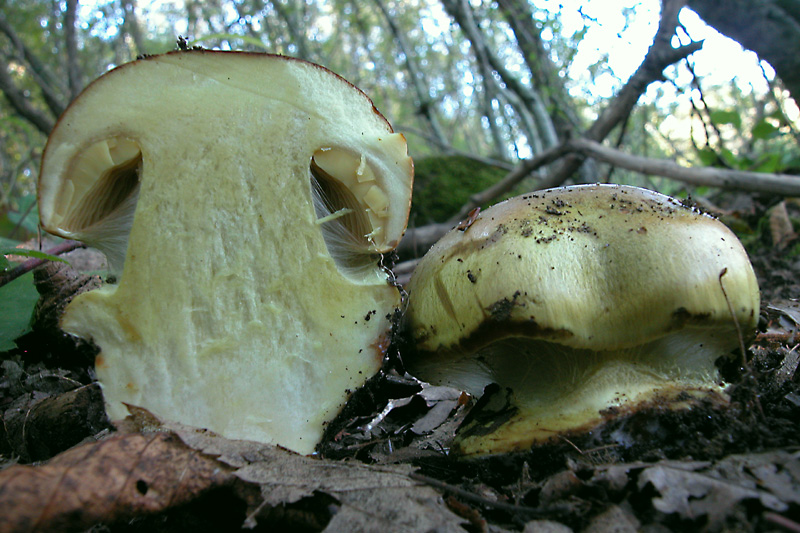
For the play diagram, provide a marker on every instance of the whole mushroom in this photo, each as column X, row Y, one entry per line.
column 245, row 201
column 581, row 300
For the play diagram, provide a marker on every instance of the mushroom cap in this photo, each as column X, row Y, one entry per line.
column 579, row 300
column 315, row 111
column 600, row 267
column 245, row 198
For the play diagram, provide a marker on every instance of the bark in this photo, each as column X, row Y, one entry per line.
column 420, row 239
column 21, row 104
column 660, row 55
column 131, row 25
column 770, row 28
column 526, row 99
column 424, row 103
column 52, row 89
column 755, row 182
column 544, row 73
column 71, row 44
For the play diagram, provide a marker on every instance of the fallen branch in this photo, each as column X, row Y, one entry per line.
column 421, row 238
column 758, row 182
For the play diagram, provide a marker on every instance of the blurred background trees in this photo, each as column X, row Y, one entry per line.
column 485, row 91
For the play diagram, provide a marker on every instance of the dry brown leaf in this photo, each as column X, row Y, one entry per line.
column 780, row 226
column 104, row 482
column 358, row 497
column 717, row 491
column 139, row 474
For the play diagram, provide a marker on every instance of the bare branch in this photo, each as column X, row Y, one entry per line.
column 422, row 238
column 758, row 182
column 71, row 41
column 526, row 98
column 424, row 103
column 21, row 104
column 556, row 103
column 49, row 84
column 520, row 172
column 659, row 56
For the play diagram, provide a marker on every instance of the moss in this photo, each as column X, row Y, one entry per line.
column 442, row 184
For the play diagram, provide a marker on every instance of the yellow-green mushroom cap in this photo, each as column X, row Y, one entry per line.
column 579, row 299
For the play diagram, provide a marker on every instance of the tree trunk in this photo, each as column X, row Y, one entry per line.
column 770, row 28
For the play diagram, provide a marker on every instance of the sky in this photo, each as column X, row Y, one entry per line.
column 720, row 61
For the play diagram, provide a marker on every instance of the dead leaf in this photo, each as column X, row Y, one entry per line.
column 714, row 492
column 360, row 497
column 780, row 226
column 104, row 482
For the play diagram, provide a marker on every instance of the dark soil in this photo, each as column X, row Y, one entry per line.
column 708, row 468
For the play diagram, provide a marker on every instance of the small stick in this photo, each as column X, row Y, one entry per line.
column 30, row 264
column 733, row 316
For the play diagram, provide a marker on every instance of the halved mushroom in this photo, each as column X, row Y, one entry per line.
column 245, row 200
column 579, row 299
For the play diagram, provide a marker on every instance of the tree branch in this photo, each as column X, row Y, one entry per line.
column 424, row 103
column 758, row 182
column 21, row 104
column 659, row 56
column 422, row 238
column 48, row 83
column 71, row 41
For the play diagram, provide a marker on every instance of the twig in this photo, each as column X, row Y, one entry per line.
column 480, row 500
column 782, row 521
column 30, row 264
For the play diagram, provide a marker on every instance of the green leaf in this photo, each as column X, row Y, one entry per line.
column 5, row 264
column 17, row 301
column 731, row 160
column 32, row 253
column 769, row 163
column 722, row 116
column 708, row 157
column 764, row 130
column 28, row 215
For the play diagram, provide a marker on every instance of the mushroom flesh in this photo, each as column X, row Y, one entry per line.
column 244, row 201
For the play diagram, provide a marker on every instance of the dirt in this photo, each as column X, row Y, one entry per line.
column 716, row 467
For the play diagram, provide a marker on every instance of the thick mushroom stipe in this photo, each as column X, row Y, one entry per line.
column 245, row 199
column 579, row 299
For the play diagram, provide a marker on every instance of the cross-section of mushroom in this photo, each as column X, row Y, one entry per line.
column 245, row 200
column 579, row 299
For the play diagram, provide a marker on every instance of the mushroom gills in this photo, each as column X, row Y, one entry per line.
column 345, row 223
column 99, row 199
column 558, row 389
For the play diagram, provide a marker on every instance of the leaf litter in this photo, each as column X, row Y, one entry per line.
column 385, row 463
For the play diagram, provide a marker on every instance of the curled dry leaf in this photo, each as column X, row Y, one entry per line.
column 136, row 474
column 357, row 497
column 122, row 477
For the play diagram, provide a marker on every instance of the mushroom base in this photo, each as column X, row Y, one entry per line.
column 556, row 389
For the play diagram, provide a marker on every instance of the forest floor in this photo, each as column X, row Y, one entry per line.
column 715, row 467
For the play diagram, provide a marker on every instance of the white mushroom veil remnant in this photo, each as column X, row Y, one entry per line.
column 579, row 299
column 245, row 200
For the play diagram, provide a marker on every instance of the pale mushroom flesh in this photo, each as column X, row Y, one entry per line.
column 244, row 201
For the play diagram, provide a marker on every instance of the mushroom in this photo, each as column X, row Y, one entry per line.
column 583, row 301
column 245, row 201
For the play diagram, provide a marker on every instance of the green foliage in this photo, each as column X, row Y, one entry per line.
column 34, row 254
column 17, row 301
column 443, row 184
column 726, row 116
